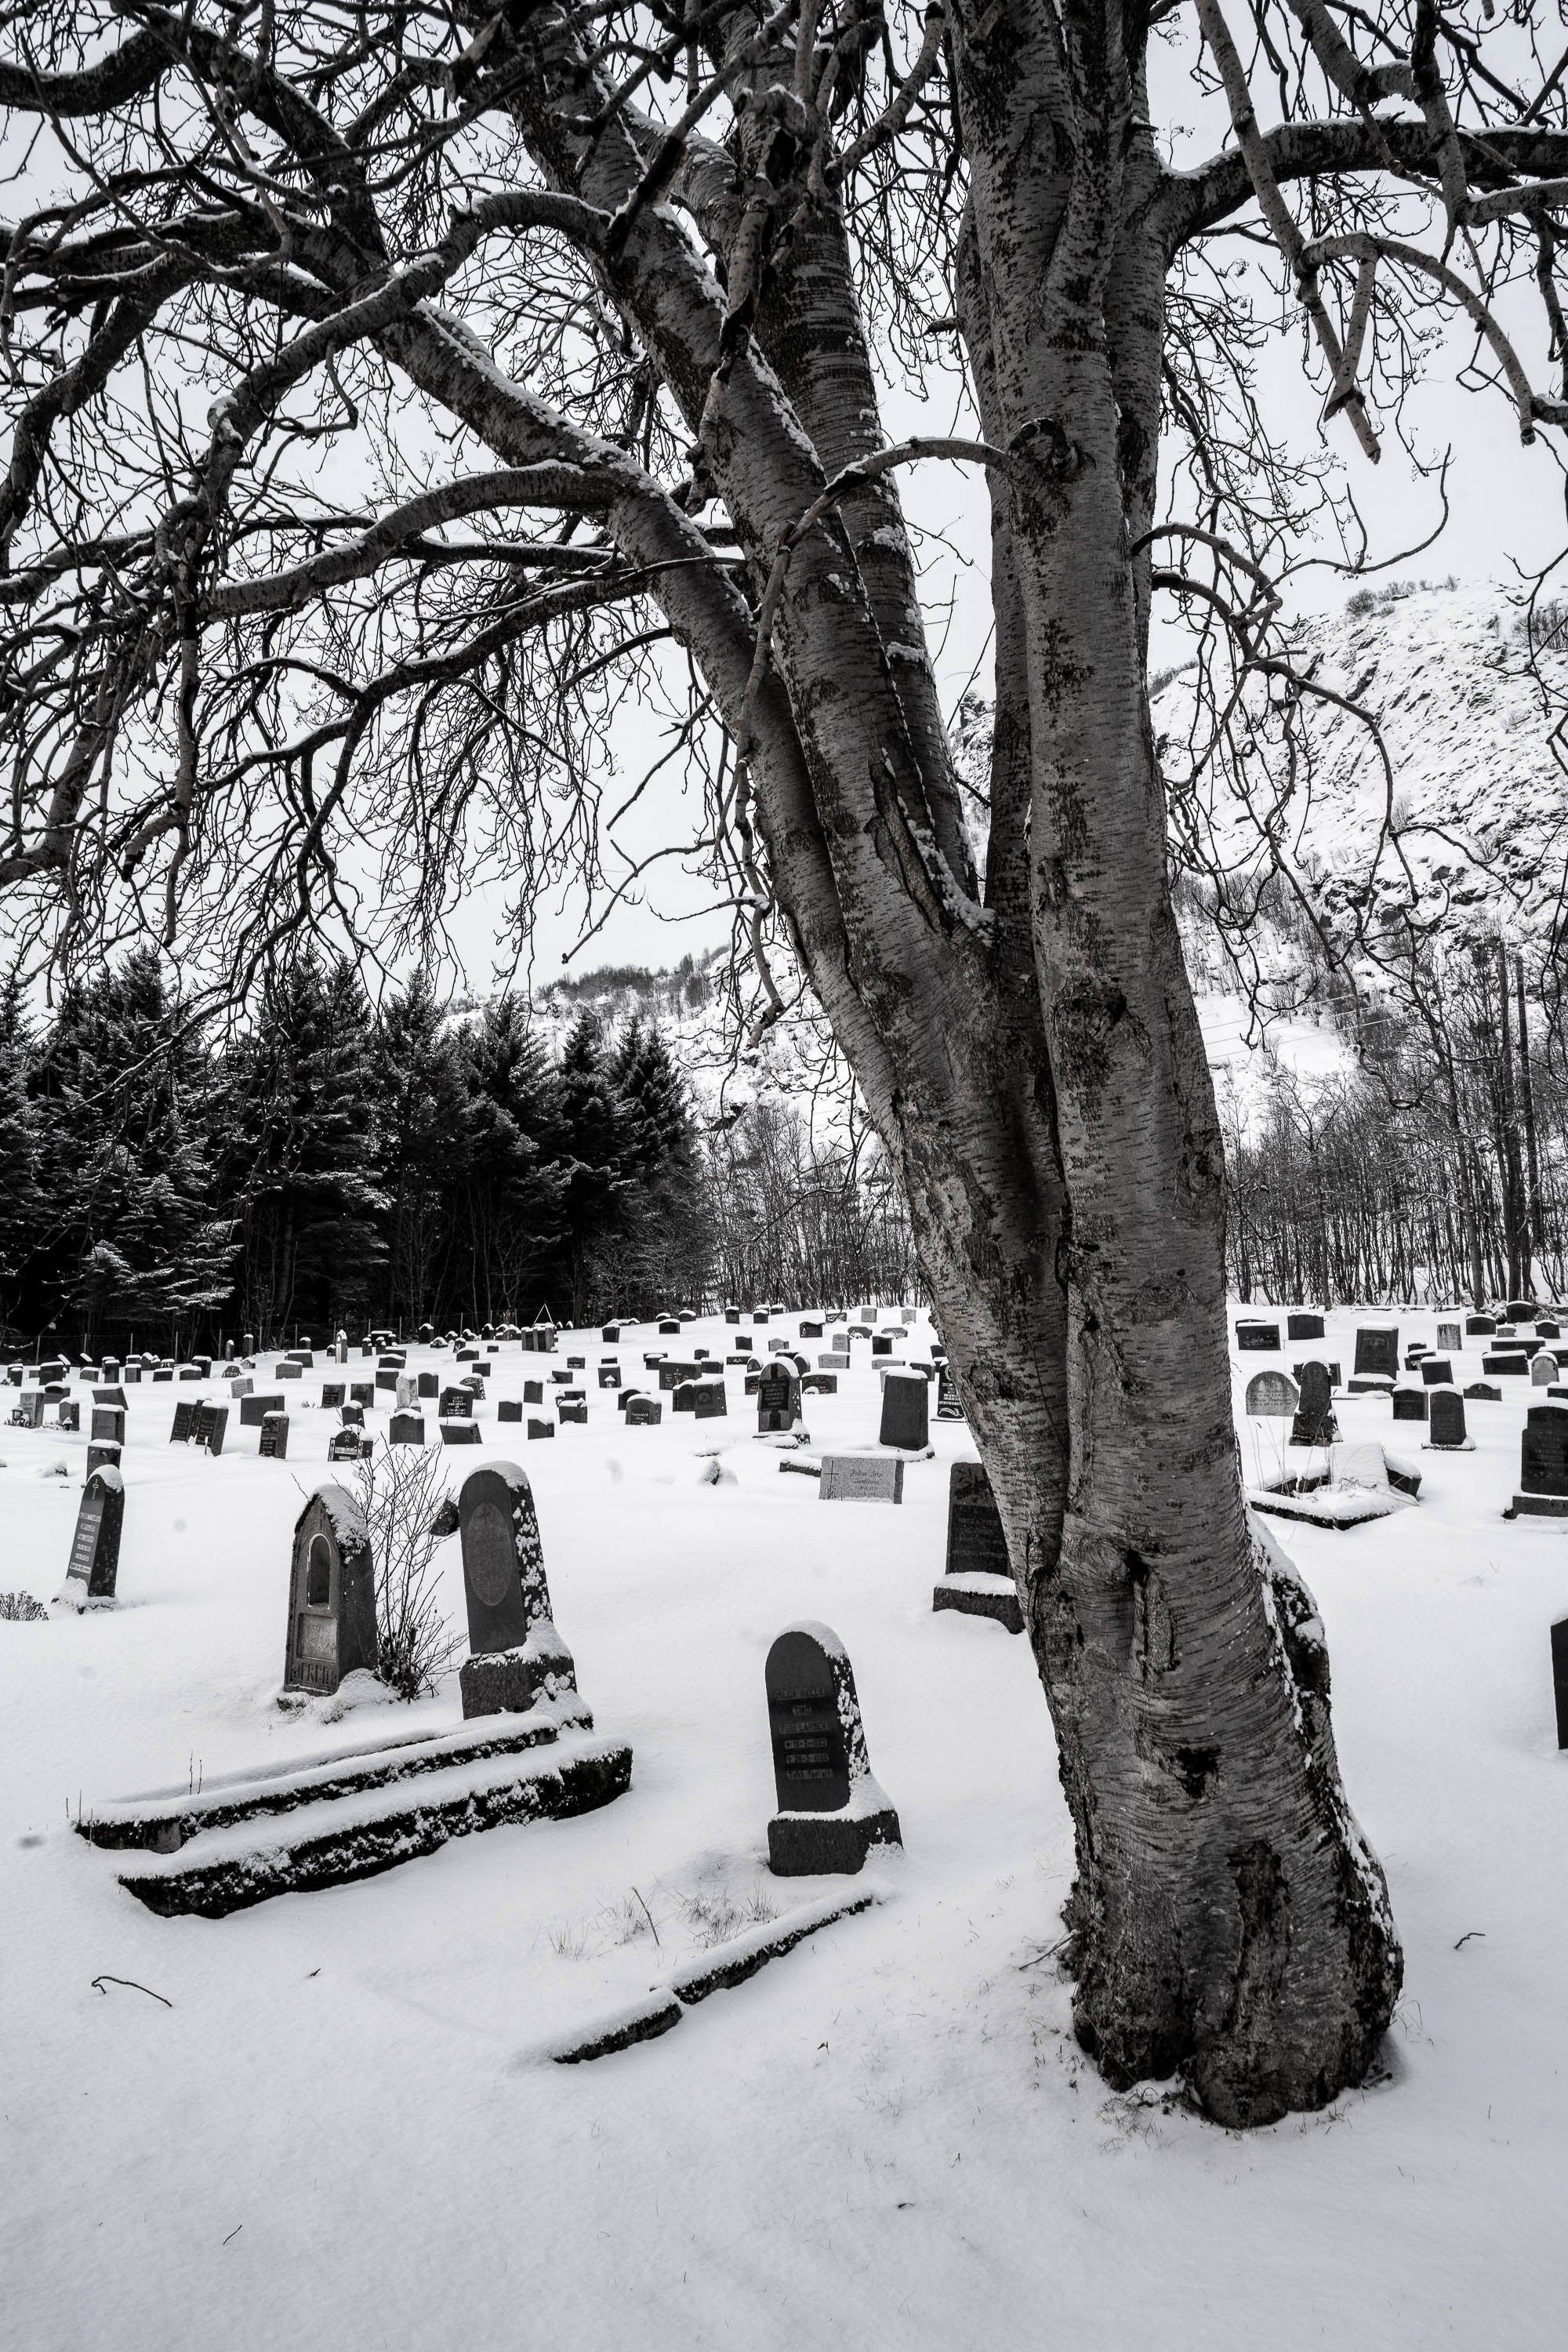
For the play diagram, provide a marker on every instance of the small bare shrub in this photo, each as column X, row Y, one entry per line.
column 20, row 1609
column 399, row 1490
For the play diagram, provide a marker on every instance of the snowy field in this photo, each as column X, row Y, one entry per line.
column 345, row 2130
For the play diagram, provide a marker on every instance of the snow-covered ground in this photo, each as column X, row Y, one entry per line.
column 345, row 2130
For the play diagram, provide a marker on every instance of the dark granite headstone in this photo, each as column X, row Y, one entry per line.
column 1484, row 1391
column 362, row 1391
column 643, row 1412
column 254, row 1410
column 456, row 1404
column 1256, row 1337
column 429, row 1385
column 1377, row 1352
column 332, row 1595
column 976, row 1540
column 351, row 1415
column 459, row 1432
column 211, row 1427
column 510, row 1409
column 516, row 1654
column 1543, row 1450
column 948, row 1407
column 1480, row 1326
column 108, row 1427
column 1520, row 1310
column 609, row 1376
column 1560, row 1677
column 669, row 1329
column 1437, row 1372
column 540, row 1428
column 274, row 1446
column 778, row 1398
column 405, row 1428
column 344, row 1445
column 1409, row 1404
column 709, row 1401
column 184, row 1422
column 819, row 1384
column 1304, row 1326
column 534, row 1391
column 572, row 1412
column 1314, row 1424
column 830, row 1809
column 94, row 1562
column 906, row 1408
column 1445, row 1420
column 333, row 1393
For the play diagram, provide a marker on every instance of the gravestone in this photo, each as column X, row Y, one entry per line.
column 108, row 1426
column 1513, row 1361
column 94, row 1562
column 831, row 1811
column 1437, row 1372
column 287, row 1370
column 1546, row 1328
column 611, row 1334
column 1445, row 1431
column 516, row 1656
column 1543, row 1370
column 1314, row 1424
column 1450, row 1340
column 274, row 1446
column 407, row 1392
column 819, row 1384
column 1560, row 1677
column 1272, row 1396
column 332, row 1394
column 254, row 1410
column 351, row 1415
column 1520, row 1310
column 810, row 1331
column 905, row 1412
column 948, row 1407
column 459, row 1432
column 643, row 1412
column 429, row 1385
column 211, row 1427
column 456, row 1404
column 102, row 1455
column 1543, row 1463
column 669, row 1329
column 1479, row 1326
column 709, row 1401
column 778, row 1398
column 332, row 1595
column 1253, row 1336
column 540, row 1428
column 510, row 1409
column 362, row 1391
column 861, row 1478
column 609, row 1376
column 1377, row 1352
column 346, row 1445
column 534, row 1391
column 69, row 1413
column 880, row 1344
column 570, row 1411
column 976, row 1541
column 1304, row 1326
column 1409, row 1404
column 184, row 1422
column 1484, row 1391
column 405, row 1428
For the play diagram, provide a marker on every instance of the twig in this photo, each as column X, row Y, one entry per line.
column 647, row 1915
column 129, row 1982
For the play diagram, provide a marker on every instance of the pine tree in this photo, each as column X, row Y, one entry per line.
column 21, row 1203
column 300, row 1146
column 597, row 1130
column 508, row 1208
column 423, row 1104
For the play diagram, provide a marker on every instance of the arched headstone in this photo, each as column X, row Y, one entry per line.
column 516, row 1655
column 1272, row 1396
column 1445, row 1431
column 831, row 1811
column 332, row 1595
column 778, row 1398
column 94, row 1562
column 1542, row 1370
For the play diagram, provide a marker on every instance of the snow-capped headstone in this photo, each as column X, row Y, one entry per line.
column 1409, row 1404
column 1304, row 1325
column 778, row 1398
column 1254, row 1336
column 515, row 1653
column 906, row 1413
column 831, row 1811
column 94, row 1562
column 1480, row 1326
column 274, row 1445
column 253, row 1409
column 609, row 1376
column 184, row 1422
column 643, row 1412
column 1272, row 1396
column 108, row 1427
column 1437, row 1372
column 456, row 1404
column 1542, row 1370
column 333, row 1393
column 332, row 1595
column 405, row 1428
column 1314, row 1424
column 210, row 1427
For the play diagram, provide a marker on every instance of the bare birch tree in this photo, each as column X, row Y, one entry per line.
column 393, row 386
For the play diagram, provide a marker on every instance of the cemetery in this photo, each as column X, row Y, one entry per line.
column 774, row 1761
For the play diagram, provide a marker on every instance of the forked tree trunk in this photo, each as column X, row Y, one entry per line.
column 1034, row 1065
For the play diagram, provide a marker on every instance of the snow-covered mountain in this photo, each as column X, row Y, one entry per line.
column 1466, row 829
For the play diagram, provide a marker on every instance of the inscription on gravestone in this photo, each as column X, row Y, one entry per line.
column 184, row 1422
column 861, row 1478
column 1314, row 1424
column 977, row 1543
column 1254, row 1336
column 274, row 1446
column 1272, row 1396
column 1377, row 1352
column 516, row 1654
column 1450, row 1340
column 778, row 1398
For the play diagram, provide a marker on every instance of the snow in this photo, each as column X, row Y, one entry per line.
column 340, row 2134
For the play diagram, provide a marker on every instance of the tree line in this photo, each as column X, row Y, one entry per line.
column 1436, row 1168
column 336, row 1164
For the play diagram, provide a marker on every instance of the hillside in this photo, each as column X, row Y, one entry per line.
column 1467, row 836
